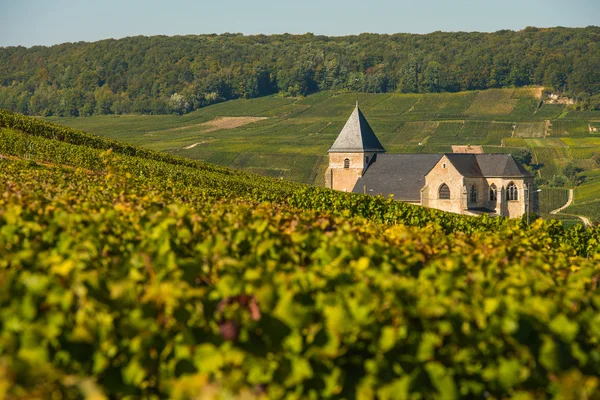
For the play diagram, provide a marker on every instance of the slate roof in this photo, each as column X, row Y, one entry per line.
column 356, row 136
column 466, row 164
column 402, row 175
column 501, row 165
column 488, row 165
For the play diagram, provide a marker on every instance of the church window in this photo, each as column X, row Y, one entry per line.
column 493, row 193
column 444, row 192
column 367, row 160
column 473, row 194
column 444, row 165
column 347, row 163
column 512, row 193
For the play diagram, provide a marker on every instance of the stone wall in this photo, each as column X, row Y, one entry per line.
column 344, row 179
column 339, row 178
column 444, row 172
column 460, row 192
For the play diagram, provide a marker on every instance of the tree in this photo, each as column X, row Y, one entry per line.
column 431, row 82
column 571, row 171
column 142, row 73
column 104, row 100
column 409, row 80
column 178, row 104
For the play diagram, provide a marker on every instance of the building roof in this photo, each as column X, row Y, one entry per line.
column 488, row 165
column 465, row 164
column 402, row 175
column 501, row 165
column 356, row 136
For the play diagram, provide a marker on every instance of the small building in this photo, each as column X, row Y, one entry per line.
column 463, row 183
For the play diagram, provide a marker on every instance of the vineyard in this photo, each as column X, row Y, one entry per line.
column 292, row 142
column 128, row 273
column 551, row 199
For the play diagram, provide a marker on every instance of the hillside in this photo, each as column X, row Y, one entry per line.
column 128, row 272
column 292, row 138
column 161, row 75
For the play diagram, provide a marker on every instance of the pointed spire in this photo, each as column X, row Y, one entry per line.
column 356, row 136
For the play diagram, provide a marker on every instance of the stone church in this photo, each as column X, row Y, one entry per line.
column 464, row 183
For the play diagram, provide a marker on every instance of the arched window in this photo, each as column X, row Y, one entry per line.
column 473, row 194
column 444, row 192
column 493, row 193
column 347, row 163
column 512, row 193
column 367, row 160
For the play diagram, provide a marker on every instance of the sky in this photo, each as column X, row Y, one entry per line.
column 47, row 22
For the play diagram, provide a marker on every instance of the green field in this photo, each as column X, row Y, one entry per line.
column 292, row 142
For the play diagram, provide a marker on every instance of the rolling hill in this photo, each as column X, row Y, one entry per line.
column 291, row 139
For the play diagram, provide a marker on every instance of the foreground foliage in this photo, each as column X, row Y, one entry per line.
column 127, row 276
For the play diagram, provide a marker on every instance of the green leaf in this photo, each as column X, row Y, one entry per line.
column 549, row 357
column 563, row 327
column 300, row 371
column 442, row 379
column 134, row 373
column 509, row 373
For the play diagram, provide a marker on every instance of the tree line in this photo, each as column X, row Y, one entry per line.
column 160, row 74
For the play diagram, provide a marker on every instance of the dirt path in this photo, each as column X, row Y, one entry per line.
column 216, row 124
column 585, row 220
column 567, row 204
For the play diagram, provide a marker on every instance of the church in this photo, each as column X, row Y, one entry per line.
column 463, row 183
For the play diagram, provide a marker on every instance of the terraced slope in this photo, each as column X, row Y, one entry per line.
column 292, row 142
column 291, row 139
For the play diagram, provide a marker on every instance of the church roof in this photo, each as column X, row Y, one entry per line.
column 465, row 164
column 488, row 165
column 356, row 136
column 501, row 165
column 402, row 175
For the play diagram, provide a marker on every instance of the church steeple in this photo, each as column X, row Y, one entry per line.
column 356, row 136
column 354, row 150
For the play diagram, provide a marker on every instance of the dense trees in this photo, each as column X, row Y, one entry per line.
column 179, row 74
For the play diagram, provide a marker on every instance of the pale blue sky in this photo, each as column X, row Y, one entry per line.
column 47, row 22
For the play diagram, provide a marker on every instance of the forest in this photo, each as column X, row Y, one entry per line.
column 179, row 74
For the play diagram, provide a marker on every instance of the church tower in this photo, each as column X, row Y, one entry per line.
column 351, row 153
